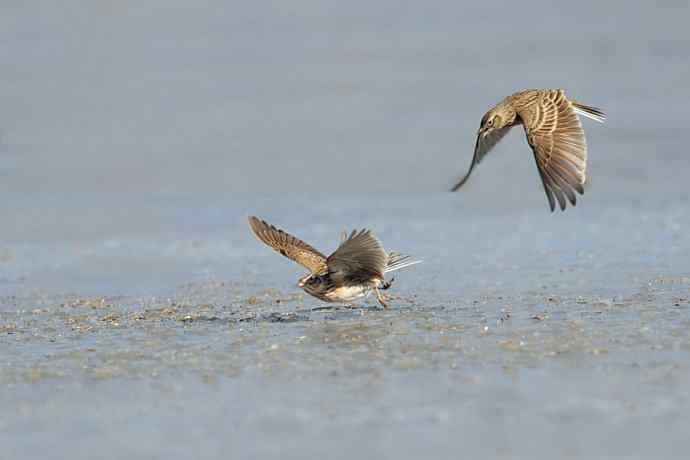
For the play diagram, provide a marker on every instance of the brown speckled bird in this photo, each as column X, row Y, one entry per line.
column 356, row 268
column 553, row 131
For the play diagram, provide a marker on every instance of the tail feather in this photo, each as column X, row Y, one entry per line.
column 589, row 112
column 396, row 261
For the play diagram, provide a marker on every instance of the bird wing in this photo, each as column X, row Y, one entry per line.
column 555, row 134
column 483, row 145
column 291, row 247
column 359, row 257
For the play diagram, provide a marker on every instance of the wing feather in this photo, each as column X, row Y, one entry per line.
column 560, row 149
column 359, row 258
column 482, row 146
column 291, row 247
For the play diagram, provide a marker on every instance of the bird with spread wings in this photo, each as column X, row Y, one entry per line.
column 356, row 268
column 554, row 133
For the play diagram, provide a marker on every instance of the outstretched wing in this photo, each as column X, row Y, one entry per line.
column 359, row 257
column 555, row 134
column 291, row 247
column 483, row 145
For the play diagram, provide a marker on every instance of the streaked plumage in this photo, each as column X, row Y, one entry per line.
column 355, row 268
column 553, row 131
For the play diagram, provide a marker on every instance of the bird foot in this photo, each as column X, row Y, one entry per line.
column 382, row 300
column 387, row 284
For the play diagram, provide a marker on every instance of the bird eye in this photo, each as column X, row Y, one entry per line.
column 490, row 122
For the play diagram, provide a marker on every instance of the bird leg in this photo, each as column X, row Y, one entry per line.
column 387, row 284
column 380, row 297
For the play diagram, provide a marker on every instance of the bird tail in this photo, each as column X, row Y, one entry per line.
column 589, row 112
column 396, row 261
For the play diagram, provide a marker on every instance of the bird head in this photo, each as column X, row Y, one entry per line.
column 493, row 119
column 310, row 279
column 304, row 280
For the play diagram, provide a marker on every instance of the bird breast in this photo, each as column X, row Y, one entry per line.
column 347, row 293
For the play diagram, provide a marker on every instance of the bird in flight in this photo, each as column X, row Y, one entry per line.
column 553, row 131
column 355, row 269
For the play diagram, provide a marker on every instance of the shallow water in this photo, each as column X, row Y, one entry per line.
column 139, row 317
column 523, row 335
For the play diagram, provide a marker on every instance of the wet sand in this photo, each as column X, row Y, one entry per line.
column 510, row 346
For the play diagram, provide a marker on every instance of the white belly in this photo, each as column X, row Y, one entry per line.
column 348, row 293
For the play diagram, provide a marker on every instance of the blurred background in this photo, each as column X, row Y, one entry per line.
column 113, row 96
column 121, row 117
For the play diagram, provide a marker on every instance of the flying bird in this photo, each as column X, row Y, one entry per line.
column 355, row 269
column 553, row 131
